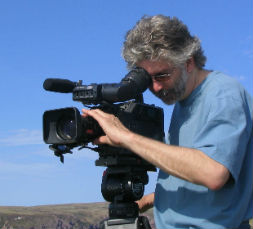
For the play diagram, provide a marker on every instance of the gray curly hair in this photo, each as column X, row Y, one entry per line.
column 161, row 37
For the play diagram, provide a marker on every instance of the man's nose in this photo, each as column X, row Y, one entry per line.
column 156, row 86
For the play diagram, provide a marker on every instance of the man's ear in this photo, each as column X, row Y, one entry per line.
column 190, row 65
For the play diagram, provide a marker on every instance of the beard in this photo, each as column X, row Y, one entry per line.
column 171, row 96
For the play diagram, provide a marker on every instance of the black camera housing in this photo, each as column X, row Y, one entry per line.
column 66, row 126
column 126, row 174
column 143, row 119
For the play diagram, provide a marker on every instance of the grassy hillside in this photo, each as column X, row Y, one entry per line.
column 69, row 216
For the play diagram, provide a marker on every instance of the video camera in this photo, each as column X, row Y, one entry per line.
column 124, row 179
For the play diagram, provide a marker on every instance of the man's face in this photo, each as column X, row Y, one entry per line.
column 169, row 82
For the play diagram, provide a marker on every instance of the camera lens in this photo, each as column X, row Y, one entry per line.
column 66, row 128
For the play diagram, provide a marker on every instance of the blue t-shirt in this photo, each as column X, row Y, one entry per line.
column 217, row 119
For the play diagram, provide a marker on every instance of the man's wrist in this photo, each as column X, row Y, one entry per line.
column 129, row 139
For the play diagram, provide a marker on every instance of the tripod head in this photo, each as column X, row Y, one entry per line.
column 122, row 186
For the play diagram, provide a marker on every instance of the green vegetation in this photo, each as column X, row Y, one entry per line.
column 68, row 216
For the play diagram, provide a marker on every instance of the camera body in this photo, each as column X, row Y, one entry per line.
column 67, row 127
column 126, row 174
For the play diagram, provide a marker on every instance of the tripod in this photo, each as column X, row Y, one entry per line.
column 128, row 221
column 122, row 187
column 139, row 223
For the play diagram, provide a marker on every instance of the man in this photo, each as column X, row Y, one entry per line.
column 205, row 178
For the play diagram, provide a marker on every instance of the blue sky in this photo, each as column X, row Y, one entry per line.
column 82, row 39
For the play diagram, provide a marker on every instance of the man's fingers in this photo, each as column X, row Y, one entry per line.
column 94, row 113
column 110, row 124
column 90, row 113
column 100, row 140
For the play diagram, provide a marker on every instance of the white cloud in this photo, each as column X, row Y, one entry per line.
column 19, row 168
column 21, row 137
column 25, row 137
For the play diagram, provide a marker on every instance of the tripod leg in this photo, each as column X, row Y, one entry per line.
column 130, row 223
column 143, row 223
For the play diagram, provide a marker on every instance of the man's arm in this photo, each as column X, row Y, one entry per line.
column 186, row 163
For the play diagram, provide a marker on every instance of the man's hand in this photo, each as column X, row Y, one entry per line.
column 114, row 130
column 185, row 163
column 146, row 202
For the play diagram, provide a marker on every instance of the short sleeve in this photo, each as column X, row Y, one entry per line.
column 226, row 134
